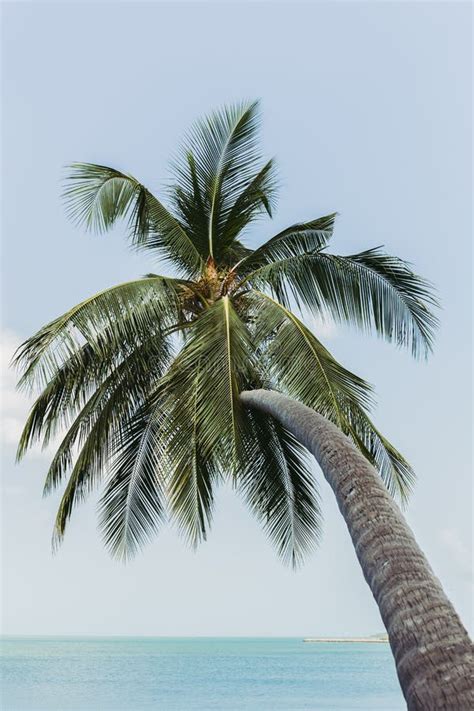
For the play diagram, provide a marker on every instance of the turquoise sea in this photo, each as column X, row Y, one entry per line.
column 137, row 674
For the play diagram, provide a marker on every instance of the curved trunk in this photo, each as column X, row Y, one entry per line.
column 432, row 650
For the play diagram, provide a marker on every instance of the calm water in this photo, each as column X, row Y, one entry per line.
column 63, row 674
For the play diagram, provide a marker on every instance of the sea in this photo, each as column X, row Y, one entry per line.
column 242, row 674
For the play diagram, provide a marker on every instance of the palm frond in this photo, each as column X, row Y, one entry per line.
column 132, row 505
column 203, row 416
column 224, row 160
column 298, row 363
column 112, row 322
column 294, row 241
column 97, row 196
column 370, row 290
column 257, row 198
column 219, row 342
column 300, row 366
column 193, row 475
column 279, row 488
column 89, row 468
column 393, row 299
column 114, row 401
column 103, row 425
column 190, row 202
column 66, row 392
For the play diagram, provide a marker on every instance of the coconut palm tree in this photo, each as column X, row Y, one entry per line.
column 146, row 378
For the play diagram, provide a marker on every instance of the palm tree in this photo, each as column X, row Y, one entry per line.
column 146, row 379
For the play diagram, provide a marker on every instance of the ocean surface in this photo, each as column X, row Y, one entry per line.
column 137, row 674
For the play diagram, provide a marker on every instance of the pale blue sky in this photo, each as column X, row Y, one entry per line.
column 367, row 108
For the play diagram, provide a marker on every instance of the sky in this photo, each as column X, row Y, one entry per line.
column 367, row 108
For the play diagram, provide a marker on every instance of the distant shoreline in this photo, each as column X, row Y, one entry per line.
column 371, row 640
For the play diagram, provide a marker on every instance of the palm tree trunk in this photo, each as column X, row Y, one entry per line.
column 432, row 650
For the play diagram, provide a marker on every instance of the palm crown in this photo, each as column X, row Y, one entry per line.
column 145, row 377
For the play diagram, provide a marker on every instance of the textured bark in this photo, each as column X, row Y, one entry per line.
column 433, row 653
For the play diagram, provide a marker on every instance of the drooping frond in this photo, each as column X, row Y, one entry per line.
column 299, row 365
column 101, row 427
column 208, row 439
column 203, row 415
column 114, row 401
column 96, row 363
column 97, row 196
column 132, row 506
column 192, row 476
column 393, row 299
column 279, row 488
column 111, row 323
column 65, row 393
column 370, row 290
column 219, row 343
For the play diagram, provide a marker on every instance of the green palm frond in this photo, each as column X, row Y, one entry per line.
column 220, row 344
column 97, row 196
column 257, row 198
column 370, row 290
column 294, row 241
column 298, row 363
column 111, row 322
column 221, row 160
column 400, row 300
column 279, row 488
column 190, row 202
column 300, row 366
column 66, row 392
column 83, row 381
column 203, row 418
column 101, row 427
column 132, row 506
column 90, row 466
column 115, row 400
column 193, row 475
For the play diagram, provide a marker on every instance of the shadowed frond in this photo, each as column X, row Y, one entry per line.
column 132, row 506
column 90, row 467
column 203, row 414
column 98, row 196
column 279, row 488
column 193, row 475
column 66, row 392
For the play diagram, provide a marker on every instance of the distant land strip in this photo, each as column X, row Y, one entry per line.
column 377, row 639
